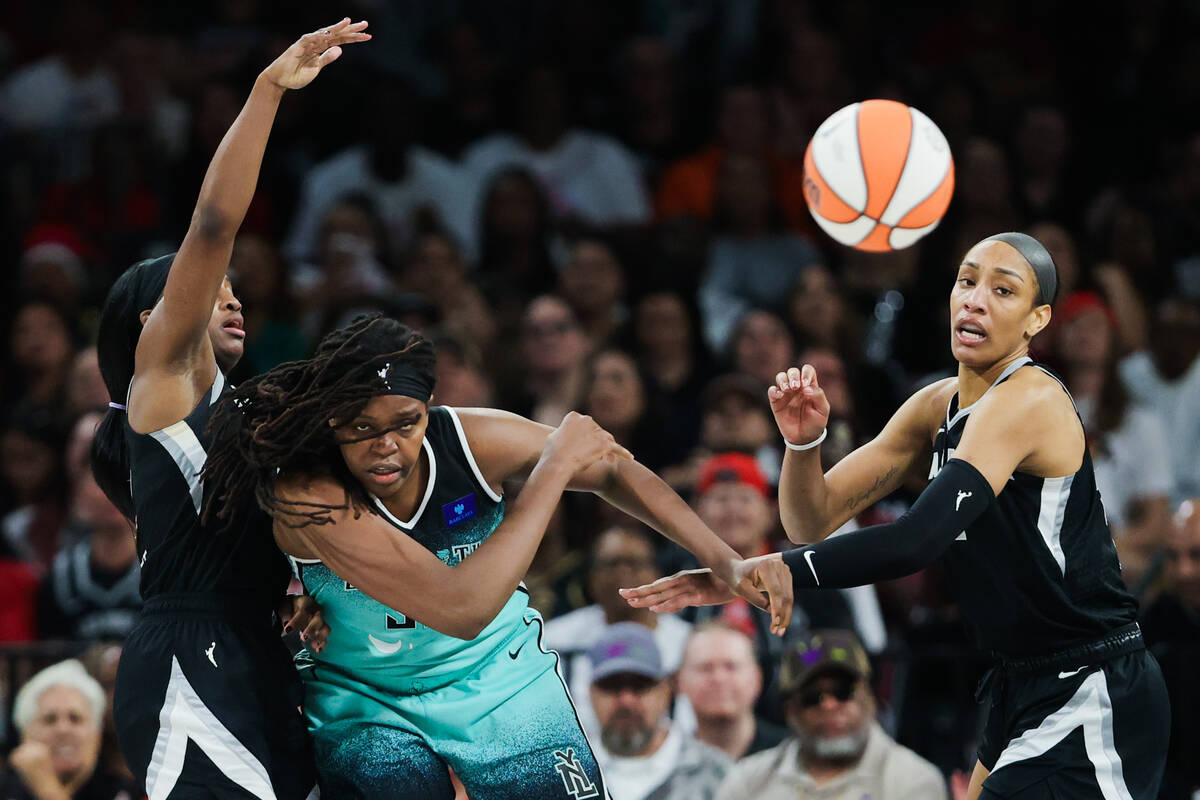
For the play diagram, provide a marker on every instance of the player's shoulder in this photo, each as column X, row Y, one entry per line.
column 926, row 408
column 1028, row 389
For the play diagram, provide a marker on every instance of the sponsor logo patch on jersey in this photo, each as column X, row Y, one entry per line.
column 458, row 510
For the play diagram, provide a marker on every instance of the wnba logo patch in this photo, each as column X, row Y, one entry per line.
column 575, row 779
column 457, row 510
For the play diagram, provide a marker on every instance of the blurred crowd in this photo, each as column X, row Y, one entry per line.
column 597, row 205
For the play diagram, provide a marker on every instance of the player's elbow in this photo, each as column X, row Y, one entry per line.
column 213, row 225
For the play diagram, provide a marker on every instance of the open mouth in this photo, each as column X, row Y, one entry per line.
column 234, row 328
column 970, row 332
column 384, row 474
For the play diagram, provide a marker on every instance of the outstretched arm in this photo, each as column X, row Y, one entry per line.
column 402, row 574
column 1001, row 435
column 505, row 445
column 176, row 332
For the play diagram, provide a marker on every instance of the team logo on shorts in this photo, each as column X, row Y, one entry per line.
column 575, row 780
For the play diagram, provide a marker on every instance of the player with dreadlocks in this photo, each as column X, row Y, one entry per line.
column 392, row 513
column 206, row 696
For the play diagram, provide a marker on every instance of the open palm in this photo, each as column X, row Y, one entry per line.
column 301, row 62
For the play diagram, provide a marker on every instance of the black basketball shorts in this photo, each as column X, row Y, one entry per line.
column 206, row 705
column 1092, row 731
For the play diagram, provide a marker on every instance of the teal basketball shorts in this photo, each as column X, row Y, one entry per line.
column 508, row 730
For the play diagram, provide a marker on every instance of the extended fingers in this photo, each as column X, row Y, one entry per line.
column 316, row 632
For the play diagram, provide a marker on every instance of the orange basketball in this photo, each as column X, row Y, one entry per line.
column 878, row 175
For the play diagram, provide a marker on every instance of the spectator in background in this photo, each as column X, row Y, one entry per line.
column 52, row 266
column 614, row 394
column 435, row 269
column 59, row 713
column 618, row 555
column 91, row 591
column 553, row 350
column 462, row 381
column 400, row 178
column 648, row 118
column 514, row 246
column 593, row 282
column 1171, row 625
column 1128, row 444
column 353, row 261
column 470, row 108
column 588, row 176
column 85, row 386
column 732, row 498
column 42, row 345
column 721, row 680
column 762, row 346
column 817, row 311
column 752, row 263
column 31, row 446
column 1045, row 186
column 101, row 660
column 273, row 333
column 1165, row 380
column 677, row 366
column 690, row 185
column 837, row 750
column 642, row 752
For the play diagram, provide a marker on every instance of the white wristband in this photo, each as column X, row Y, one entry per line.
column 810, row 445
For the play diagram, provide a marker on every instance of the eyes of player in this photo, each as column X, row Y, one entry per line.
column 966, row 283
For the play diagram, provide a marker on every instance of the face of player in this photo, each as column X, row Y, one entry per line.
column 993, row 315
column 64, row 722
column 719, row 675
column 226, row 328
column 382, row 445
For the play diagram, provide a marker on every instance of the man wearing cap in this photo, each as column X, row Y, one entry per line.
column 837, row 750
column 642, row 753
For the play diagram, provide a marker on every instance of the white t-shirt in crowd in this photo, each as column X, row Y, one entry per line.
column 1135, row 462
column 635, row 778
column 1176, row 404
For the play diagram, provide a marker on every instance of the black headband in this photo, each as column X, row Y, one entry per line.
column 1039, row 259
column 403, row 380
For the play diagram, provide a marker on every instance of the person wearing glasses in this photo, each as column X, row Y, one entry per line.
column 837, row 750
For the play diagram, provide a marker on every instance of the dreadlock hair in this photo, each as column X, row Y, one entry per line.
column 279, row 422
column 137, row 290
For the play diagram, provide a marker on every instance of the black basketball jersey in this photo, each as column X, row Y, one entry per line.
column 1038, row 572
column 178, row 554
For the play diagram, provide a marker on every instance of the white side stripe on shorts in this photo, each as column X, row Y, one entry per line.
column 1090, row 708
column 184, row 716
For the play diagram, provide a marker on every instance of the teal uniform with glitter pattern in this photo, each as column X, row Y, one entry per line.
column 392, row 702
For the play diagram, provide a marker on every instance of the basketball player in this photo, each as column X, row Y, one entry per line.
column 206, row 699
column 435, row 656
column 1078, row 706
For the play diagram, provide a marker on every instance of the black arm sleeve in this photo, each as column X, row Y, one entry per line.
column 957, row 497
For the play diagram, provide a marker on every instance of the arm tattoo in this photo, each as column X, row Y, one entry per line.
column 857, row 500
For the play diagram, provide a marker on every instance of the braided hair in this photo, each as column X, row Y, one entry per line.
column 278, row 422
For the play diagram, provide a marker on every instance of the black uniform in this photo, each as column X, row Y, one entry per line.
column 1078, row 707
column 206, row 697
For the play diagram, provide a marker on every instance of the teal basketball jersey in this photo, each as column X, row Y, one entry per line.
column 382, row 647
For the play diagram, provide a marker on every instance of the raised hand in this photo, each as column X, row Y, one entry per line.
column 799, row 405
column 301, row 62
column 299, row 612
column 579, row 442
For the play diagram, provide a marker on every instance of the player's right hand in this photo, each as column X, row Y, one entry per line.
column 299, row 64
column 578, row 443
column 799, row 404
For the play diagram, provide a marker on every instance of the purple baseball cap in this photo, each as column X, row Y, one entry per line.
column 626, row 648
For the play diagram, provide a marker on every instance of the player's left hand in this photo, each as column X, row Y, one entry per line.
column 301, row 62
column 299, row 612
column 766, row 582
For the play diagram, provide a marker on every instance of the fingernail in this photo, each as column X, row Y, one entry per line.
column 287, row 628
column 303, row 638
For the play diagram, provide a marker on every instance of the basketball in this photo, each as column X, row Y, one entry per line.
column 878, row 175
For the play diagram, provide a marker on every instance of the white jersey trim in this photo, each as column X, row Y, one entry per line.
column 1055, row 493
column 962, row 412
column 462, row 437
column 424, row 501
column 184, row 717
column 180, row 442
column 1091, row 709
